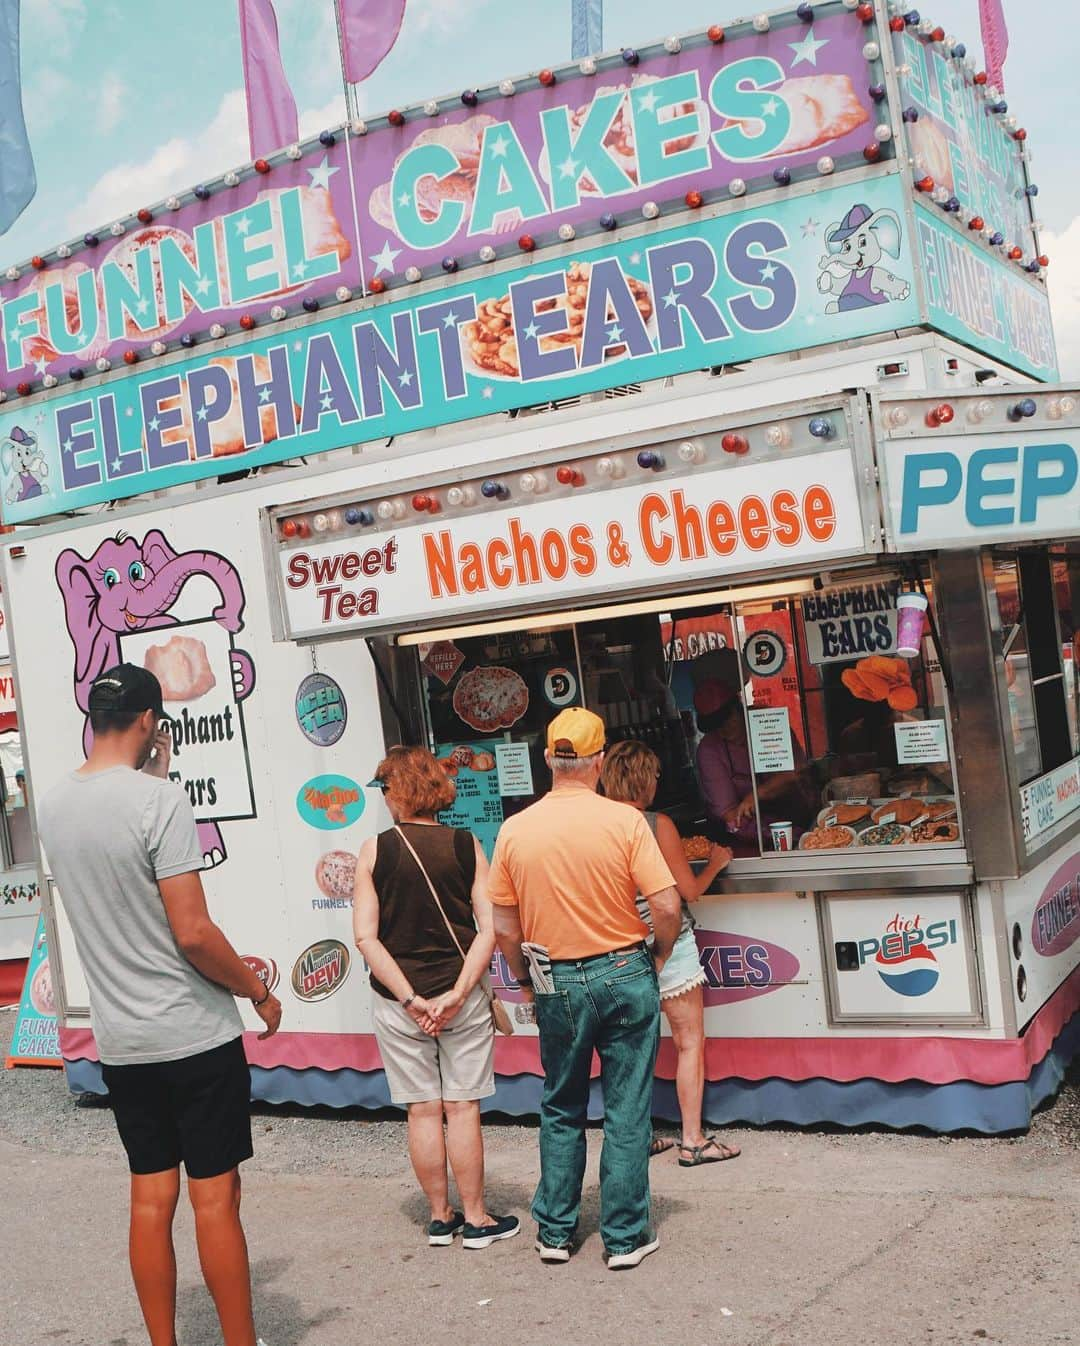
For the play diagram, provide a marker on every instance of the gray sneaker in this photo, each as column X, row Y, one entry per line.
column 634, row 1258
column 552, row 1254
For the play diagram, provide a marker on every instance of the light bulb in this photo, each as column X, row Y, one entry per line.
column 896, row 417
column 778, row 436
column 690, row 452
column 980, row 411
column 320, row 523
column 610, row 467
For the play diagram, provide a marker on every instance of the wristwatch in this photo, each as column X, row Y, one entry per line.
column 266, row 996
column 408, row 1001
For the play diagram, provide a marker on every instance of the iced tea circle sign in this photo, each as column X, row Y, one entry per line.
column 321, row 711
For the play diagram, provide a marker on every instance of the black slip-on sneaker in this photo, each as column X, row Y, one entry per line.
column 440, row 1233
column 483, row 1236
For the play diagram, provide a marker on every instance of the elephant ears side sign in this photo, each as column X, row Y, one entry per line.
column 853, row 270
column 118, row 605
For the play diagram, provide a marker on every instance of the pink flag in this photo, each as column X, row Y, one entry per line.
column 369, row 28
column 995, row 39
column 271, row 107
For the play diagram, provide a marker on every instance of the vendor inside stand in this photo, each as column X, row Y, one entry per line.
column 783, row 714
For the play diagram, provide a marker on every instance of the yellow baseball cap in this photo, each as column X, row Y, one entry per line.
column 575, row 732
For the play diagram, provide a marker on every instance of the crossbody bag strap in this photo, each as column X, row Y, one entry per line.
column 431, row 887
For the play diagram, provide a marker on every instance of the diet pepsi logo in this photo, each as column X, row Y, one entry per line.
column 904, row 956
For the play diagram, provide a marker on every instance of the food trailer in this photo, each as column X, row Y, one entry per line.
column 722, row 360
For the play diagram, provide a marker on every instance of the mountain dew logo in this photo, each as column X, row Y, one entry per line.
column 904, row 956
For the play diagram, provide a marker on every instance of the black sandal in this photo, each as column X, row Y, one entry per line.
column 660, row 1145
column 698, row 1156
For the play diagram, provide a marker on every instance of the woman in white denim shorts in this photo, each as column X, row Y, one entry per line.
column 423, row 923
column 630, row 774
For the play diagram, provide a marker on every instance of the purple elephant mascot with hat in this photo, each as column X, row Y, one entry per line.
column 853, row 270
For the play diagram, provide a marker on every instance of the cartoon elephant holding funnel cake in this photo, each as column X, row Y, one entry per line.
column 852, row 270
column 127, row 586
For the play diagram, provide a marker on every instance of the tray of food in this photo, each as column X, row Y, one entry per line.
column 697, row 848
column 885, row 834
column 846, row 815
column 941, row 831
column 832, row 838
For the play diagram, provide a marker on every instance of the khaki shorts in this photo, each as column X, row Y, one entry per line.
column 458, row 1065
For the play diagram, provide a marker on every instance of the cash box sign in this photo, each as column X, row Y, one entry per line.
column 320, row 970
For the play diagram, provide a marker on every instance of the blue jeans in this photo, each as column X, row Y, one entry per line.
column 610, row 1003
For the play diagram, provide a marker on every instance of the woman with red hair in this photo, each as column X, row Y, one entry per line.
column 422, row 921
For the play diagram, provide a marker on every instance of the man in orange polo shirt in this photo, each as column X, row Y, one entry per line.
column 563, row 878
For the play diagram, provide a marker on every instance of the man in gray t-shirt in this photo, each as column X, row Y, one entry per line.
column 122, row 845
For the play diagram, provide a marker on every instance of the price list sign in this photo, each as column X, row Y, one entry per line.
column 478, row 806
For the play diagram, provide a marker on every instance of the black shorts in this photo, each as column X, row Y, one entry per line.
column 194, row 1111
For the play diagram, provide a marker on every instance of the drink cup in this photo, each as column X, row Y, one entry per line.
column 783, row 835
column 910, row 610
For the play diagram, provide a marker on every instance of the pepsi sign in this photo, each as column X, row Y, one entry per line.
column 903, row 955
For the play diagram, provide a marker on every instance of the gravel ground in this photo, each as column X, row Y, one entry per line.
column 36, row 1109
column 811, row 1237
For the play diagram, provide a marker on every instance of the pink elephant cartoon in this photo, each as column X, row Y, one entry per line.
column 127, row 586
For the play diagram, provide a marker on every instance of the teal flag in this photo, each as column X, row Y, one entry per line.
column 588, row 28
column 18, row 182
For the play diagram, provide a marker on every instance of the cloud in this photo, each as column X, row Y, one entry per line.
column 1063, row 283
column 175, row 165
column 47, row 98
column 56, row 24
column 315, row 119
column 440, row 16
column 111, row 95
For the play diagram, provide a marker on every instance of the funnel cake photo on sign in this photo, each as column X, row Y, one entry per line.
column 463, row 141
column 182, row 668
column 490, row 698
column 490, row 343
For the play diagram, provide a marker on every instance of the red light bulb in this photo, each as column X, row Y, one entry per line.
column 865, row 13
column 144, row 216
column 247, row 322
column 262, row 166
column 303, row 528
column 872, row 153
column 527, row 243
column 24, row 388
column 421, row 503
column 715, row 33
column 547, row 78
column 925, row 184
column 897, row 24
column 396, row 118
column 938, row 35
column 1015, row 254
column 732, row 443
column 130, row 357
column 565, row 476
column 940, row 415
column 377, row 285
column 1043, row 259
column 1020, row 135
column 288, row 528
column 694, row 200
column 980, row 78
column 38, row 263
column 976, row 222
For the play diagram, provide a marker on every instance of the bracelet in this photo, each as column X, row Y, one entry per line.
column 266, row 997
column 408, row 1001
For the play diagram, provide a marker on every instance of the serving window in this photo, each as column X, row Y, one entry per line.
column 784, row 716
column 1037, row 594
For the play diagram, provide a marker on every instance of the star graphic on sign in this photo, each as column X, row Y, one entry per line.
column 532, row 331
column 499, row 146
column 67, row 445
column 384, row 260
column 154, row 425
column 201, row 413
column 116, row 466
column 326, row 402
column 770, row 108
column 405, row 380
column 320, row 177
column 488, row 392
column 614, row 333
column 647, row 102
column 404, row 199
column 810, row 228
column 670, row 299
column 41, row 364
column 130, row 411
column 243, row 224
column 298, row 345
column 451, row 319
column 635, row 258
column 203, row 285
column 768, row 271
column 264, row 395
column 808, row 48
column 569, row 169
column 300, row 270
column 142, row 307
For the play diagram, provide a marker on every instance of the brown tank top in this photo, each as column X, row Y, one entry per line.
column 410, row 926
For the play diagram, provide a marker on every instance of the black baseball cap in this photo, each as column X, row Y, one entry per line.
column 126, row 688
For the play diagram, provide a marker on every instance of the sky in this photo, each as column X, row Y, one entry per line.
column 129, row 100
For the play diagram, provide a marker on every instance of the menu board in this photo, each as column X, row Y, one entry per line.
column 478, row 806
column 921, row 741
column 770, row 739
